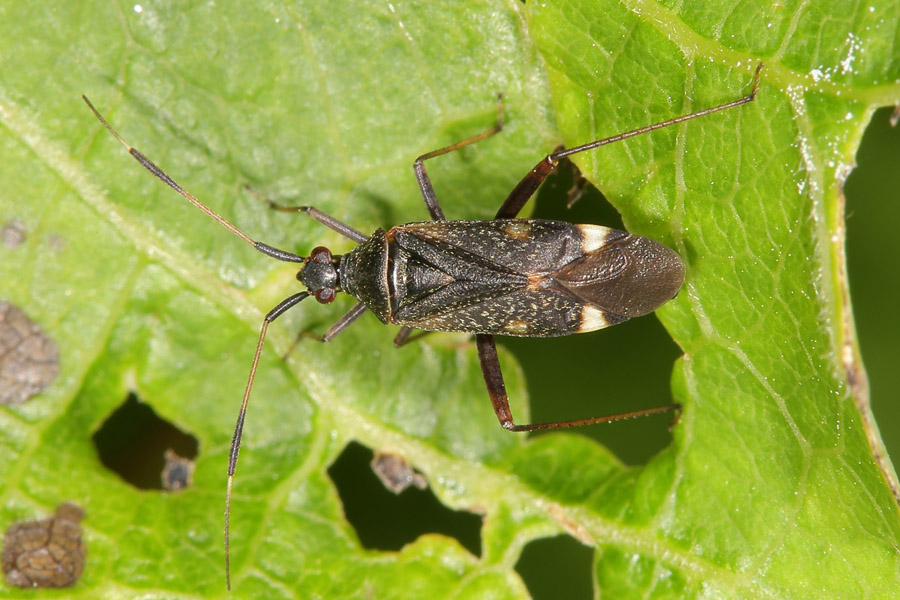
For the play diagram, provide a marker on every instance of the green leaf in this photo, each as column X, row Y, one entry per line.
column 770, row 487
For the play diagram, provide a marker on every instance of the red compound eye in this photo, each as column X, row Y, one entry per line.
column 320, row 254
column 325, row 295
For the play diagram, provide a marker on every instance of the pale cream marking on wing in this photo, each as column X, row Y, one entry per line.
column 518, row 229
column 595, row 237
column 516, row 327
column 592, row 319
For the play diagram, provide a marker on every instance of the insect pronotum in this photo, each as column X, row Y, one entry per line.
column 505, row 276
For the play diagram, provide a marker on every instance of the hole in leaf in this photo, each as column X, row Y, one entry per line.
column 387, row 521
column 557, row 567
column 615, row 370
column 872, row 242
column 133, row 442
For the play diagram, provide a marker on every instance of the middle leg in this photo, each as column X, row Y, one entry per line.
column 431, row 201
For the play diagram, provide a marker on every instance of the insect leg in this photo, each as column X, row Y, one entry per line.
column 431, row 201
column 326, row 220
column 408, row 334
column 579, row 184
column 332, row 332
column 314, row 213
column 493, row 377
column 344, row 322
column 526, row 188
column 402, row 336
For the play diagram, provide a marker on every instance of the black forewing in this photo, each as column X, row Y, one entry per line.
column 485, row 276
column 523, row 246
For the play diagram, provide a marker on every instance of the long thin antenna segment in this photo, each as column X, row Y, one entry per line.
column 239, row 426
column 162, row 176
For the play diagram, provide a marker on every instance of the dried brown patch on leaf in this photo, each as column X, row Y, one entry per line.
column 29, row 359
column 12, row 234
column 396, row 473
column 178, row 473
column 48, row 553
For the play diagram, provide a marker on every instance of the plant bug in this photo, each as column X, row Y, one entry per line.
column 505, row 276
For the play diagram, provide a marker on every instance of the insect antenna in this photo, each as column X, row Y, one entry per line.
column 271, row 316
column 239, row 426
column 162, row 176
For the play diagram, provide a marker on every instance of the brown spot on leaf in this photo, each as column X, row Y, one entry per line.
column 56, row 242
column 13, row 233
column 178, row 473
column 48, row 553
column 29, row 359
column 396, row 473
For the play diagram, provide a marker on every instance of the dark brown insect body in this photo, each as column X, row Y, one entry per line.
column 506, row 276
column 518, row 277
